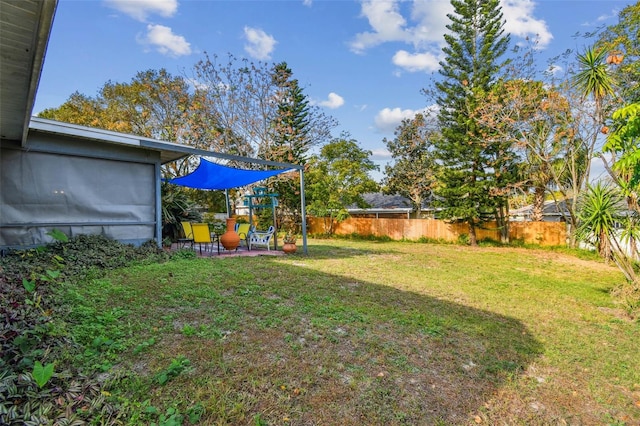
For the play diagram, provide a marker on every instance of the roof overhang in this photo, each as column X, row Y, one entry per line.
column 25, row 26
column 168, row 151
column 403, row 210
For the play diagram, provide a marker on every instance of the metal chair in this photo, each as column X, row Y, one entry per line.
column 188, row 235
column 261, row 238
column 243, row 230
column 202, row 235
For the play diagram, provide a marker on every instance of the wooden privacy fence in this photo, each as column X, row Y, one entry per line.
column 541, row 233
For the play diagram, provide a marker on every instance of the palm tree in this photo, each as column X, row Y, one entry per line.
column 593, row 78
column 598, row 217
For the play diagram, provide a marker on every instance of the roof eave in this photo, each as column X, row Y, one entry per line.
column 39, row 46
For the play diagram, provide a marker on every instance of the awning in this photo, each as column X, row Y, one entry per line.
column 210, row 175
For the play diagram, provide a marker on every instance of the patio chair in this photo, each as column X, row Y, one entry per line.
column 188, row 235
column 243, row 230
column 202, row 235
column 261, row 238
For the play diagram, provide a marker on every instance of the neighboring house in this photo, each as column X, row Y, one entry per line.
column 386, row 206
column 551, row 212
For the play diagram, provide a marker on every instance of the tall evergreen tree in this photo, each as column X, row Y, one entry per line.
column 296, row 127
column 470, row 163
column 291, row 124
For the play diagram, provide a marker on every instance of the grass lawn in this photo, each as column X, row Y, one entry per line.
column 365, row 333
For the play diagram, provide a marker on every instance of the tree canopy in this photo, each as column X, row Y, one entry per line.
column 337, row 178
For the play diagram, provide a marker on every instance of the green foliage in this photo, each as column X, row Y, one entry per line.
column 176, row 207
column 359, row 237
column 291, row 125
column 42, row 374
column 463, row 239
column 412, row 173
column 624, row 142
column 177, row 366
column 184, row 253
column 58, row 235
column 622, row 39
column 593, row 78
column 598, row 215
column 297, row 127
column 337, row 178
column 29, row 285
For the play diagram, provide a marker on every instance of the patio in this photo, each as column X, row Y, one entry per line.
column 242, row 251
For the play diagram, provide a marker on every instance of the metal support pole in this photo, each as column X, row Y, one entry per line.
column 303, row 211
column 158, row 202
column 275, row 225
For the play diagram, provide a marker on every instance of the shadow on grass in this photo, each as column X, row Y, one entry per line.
column 277, row 343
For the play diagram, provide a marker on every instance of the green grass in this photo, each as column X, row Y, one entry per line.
column 364, row 332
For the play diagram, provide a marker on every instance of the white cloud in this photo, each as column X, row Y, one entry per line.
column 606, row 17
column 388, row 119
column 140, row 9
column 259, row 45
column 423, row 25
column 333, row 101
column 380, row 154
column 416, row 62
column 307, row 3
column 520, row 21
column 385, row 20
column 165, row 42
column 431, row 18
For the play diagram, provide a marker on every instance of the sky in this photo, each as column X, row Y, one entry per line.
column 363, row 62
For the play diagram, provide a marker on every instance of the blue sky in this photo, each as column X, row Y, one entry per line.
column 363, row 62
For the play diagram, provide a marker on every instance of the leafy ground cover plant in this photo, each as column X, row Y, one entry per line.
column 40, row 379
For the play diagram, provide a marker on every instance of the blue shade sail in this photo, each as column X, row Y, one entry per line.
column 210, row 175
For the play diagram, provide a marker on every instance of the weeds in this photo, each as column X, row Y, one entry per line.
column 42, row 378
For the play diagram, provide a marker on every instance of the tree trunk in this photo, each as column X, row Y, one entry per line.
column 502, row 220
column 632, row 206
column 473, row 239
column 538, row 204
column 603, row 247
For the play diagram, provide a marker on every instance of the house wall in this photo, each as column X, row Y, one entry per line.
column 542, row 233
column 78, row 187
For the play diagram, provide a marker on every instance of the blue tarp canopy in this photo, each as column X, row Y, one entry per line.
column 210, row 175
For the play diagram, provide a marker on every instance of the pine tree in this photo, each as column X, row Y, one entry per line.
column 291, row 125
column 290, row 143
column 467, row 177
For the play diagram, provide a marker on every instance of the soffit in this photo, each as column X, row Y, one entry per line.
column 24, row 33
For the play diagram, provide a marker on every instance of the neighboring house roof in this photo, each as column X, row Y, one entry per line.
column 549, row 209
column 24, row 33
column 382, row 203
